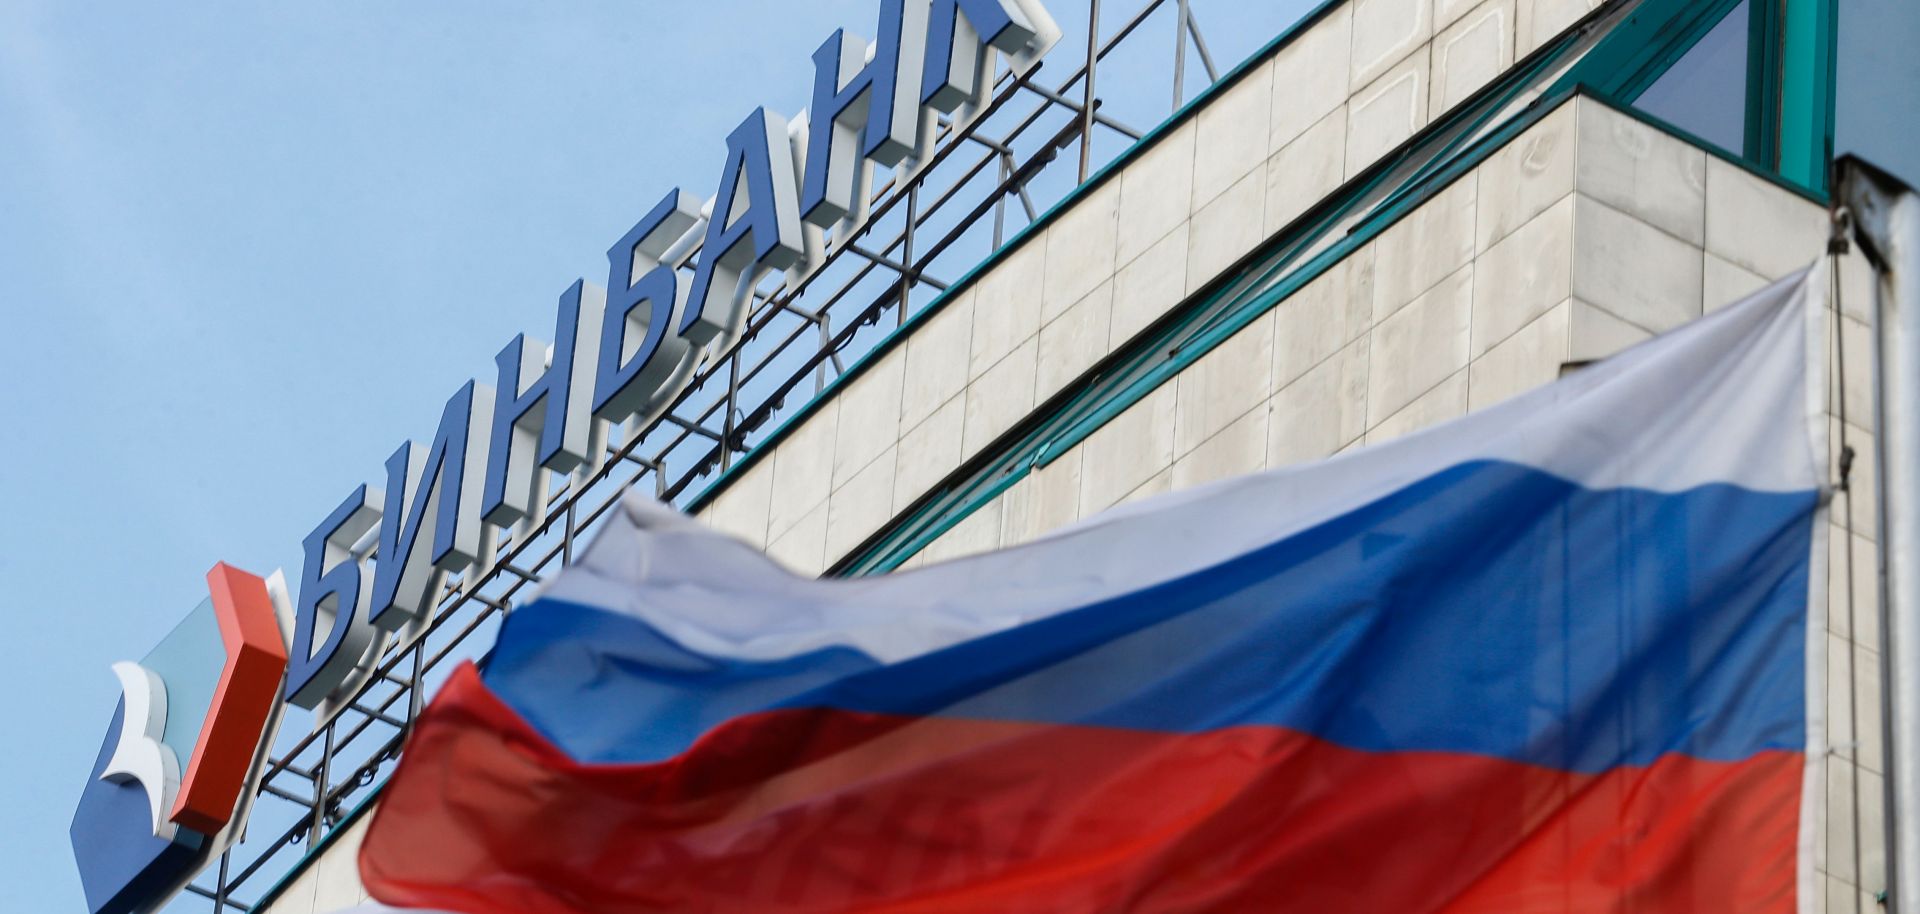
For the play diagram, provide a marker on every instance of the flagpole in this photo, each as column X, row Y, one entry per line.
column 1886, row 218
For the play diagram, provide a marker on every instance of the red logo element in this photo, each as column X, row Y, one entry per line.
column 242, row 702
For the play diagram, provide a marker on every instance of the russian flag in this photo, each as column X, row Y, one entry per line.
column 1553, row 657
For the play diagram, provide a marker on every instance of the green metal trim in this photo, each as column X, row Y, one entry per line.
column 1094, row 181
column 1195, row 329
column 1641, row 49
column 1807, row 62
column 1463, row 132
column 1763, row 81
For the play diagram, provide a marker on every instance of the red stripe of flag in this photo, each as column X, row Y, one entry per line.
column 827, row 811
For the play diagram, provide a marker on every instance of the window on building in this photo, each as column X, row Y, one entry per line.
column 1704, row 92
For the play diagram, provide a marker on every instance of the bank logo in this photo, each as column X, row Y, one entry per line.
column 169, row 787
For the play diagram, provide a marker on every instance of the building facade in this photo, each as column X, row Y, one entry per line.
column 1396, row 213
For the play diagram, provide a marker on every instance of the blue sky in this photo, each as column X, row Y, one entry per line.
column 249, row 248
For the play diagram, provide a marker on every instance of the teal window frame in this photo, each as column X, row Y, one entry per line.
column 1809, row 32
column 1790, row 75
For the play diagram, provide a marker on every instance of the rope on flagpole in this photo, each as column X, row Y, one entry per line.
column 1837, row 247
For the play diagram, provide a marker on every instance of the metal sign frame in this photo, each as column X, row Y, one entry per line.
column 1028, row 144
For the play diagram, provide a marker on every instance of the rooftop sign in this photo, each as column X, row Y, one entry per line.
column 624, row 352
